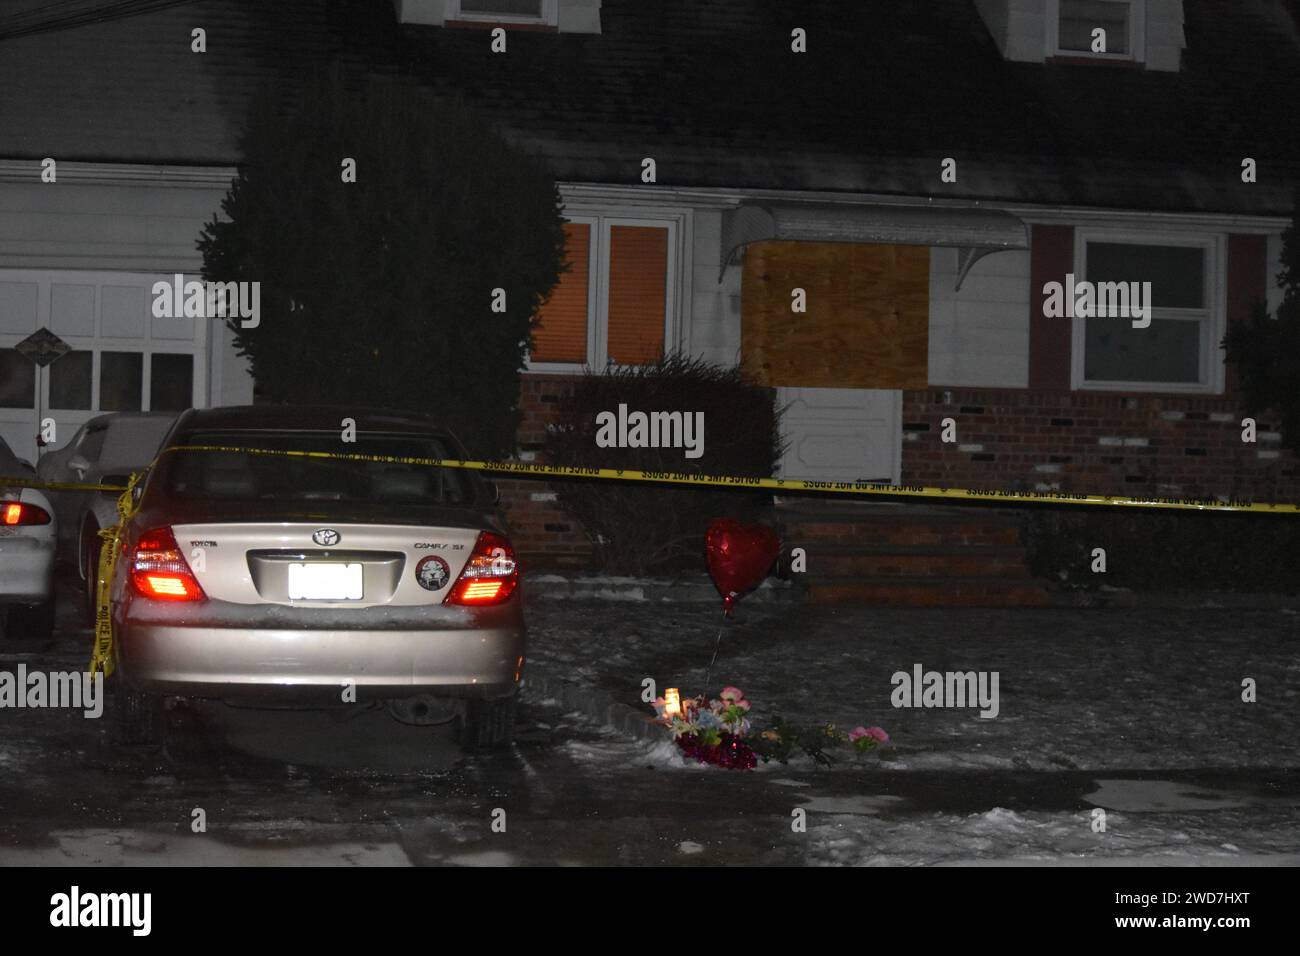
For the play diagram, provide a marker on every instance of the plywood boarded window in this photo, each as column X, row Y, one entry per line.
column 867, row 319
column 638, row 293
column 562, row 336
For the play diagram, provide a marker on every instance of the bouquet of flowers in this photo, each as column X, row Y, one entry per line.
column 718, row 732
column 782, row 739
column 712, row 731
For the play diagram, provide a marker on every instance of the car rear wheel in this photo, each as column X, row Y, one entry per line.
column 137, row 717
column 90, row 569
column 487, row 724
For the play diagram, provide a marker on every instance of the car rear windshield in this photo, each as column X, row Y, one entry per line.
column 245, row 475
column 131, row 443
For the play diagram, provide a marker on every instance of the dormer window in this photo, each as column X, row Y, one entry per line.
column 549, row 16
column 504, row 11
column 1096, row 29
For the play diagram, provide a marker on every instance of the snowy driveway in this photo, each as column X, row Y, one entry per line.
column 1136, row 713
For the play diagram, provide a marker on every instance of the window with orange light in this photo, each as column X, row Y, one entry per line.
column 561, row 333
column 638, row 293
column 614, row 302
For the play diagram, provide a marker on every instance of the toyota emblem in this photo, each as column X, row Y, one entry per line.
column 326, row 537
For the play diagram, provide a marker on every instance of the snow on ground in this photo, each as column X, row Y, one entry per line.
column 999, row 833
column 1150, row 822
column 1079, row 688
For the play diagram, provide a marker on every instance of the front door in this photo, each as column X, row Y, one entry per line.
column 842, row 434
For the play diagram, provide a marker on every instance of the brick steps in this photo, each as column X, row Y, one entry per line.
column 900, row 532
column 929, row 592
column 922, row 556
column 920, row 561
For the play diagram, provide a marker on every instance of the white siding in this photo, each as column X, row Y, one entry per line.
column 571, row 16
column 1018, row 27
column 1026, row 30
column 1273, row 256
column 979, row 336
column 712, row 327
column 229, row 375
column 1021, row 30
column 103, row 226
column 1164, row 33
column 579, row 16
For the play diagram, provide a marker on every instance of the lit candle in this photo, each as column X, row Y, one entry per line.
column 672, row 703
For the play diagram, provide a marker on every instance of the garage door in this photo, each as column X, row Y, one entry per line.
column 120, row 357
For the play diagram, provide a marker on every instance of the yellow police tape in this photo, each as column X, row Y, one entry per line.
column 126, row 506
column 101, row 658
column 528, row 469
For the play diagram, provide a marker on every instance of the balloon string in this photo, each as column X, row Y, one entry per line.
column 709, row 674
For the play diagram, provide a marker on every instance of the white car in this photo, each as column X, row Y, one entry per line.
column 27, row 541
column 106, row 450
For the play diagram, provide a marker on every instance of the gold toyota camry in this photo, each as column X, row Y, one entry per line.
column 314, row 580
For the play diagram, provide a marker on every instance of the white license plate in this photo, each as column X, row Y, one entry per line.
column 322, row 581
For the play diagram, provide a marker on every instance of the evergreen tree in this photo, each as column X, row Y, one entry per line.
column 1266, row 349
column 381, row 291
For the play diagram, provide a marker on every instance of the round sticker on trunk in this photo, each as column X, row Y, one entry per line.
column 433, row 573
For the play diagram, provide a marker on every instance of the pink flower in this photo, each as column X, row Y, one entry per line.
column 875, row 733
column 732, row 694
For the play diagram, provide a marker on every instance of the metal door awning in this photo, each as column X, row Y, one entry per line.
column 975, row 231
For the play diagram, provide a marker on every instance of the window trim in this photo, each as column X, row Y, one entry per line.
column 1137, row 19
column 676, row 286
column 1212, row 317
column 549, row 15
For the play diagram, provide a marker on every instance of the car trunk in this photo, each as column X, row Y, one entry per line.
column 311, row 562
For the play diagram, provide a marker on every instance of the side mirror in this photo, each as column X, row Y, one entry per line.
column 494, row 493
column 79, row 464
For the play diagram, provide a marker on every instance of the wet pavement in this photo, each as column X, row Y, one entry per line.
column 358, row 788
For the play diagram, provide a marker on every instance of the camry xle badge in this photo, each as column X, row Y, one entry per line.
column 326, row 537
column 432, row 573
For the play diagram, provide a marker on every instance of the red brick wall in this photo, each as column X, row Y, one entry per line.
column 1092, row 442
column 543, row 535
column 1049, row 437
column 1044, row 437
column 1051, row 257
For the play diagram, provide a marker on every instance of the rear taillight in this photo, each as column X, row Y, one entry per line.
column 13, row 513
column 490, row 575
column 160, row 571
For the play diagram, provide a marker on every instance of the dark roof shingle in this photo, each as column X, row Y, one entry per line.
column 712, row 91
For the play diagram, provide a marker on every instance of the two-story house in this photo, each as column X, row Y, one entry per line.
column 865, row 203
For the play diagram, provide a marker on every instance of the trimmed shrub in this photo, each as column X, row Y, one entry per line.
column 1266, row 349
column 638, row 527
column 1160, row 551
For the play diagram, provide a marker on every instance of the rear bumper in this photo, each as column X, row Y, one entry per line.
column 26, row 569
column 315, row 666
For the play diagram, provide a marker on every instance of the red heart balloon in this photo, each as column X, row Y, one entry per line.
column 739, row 556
